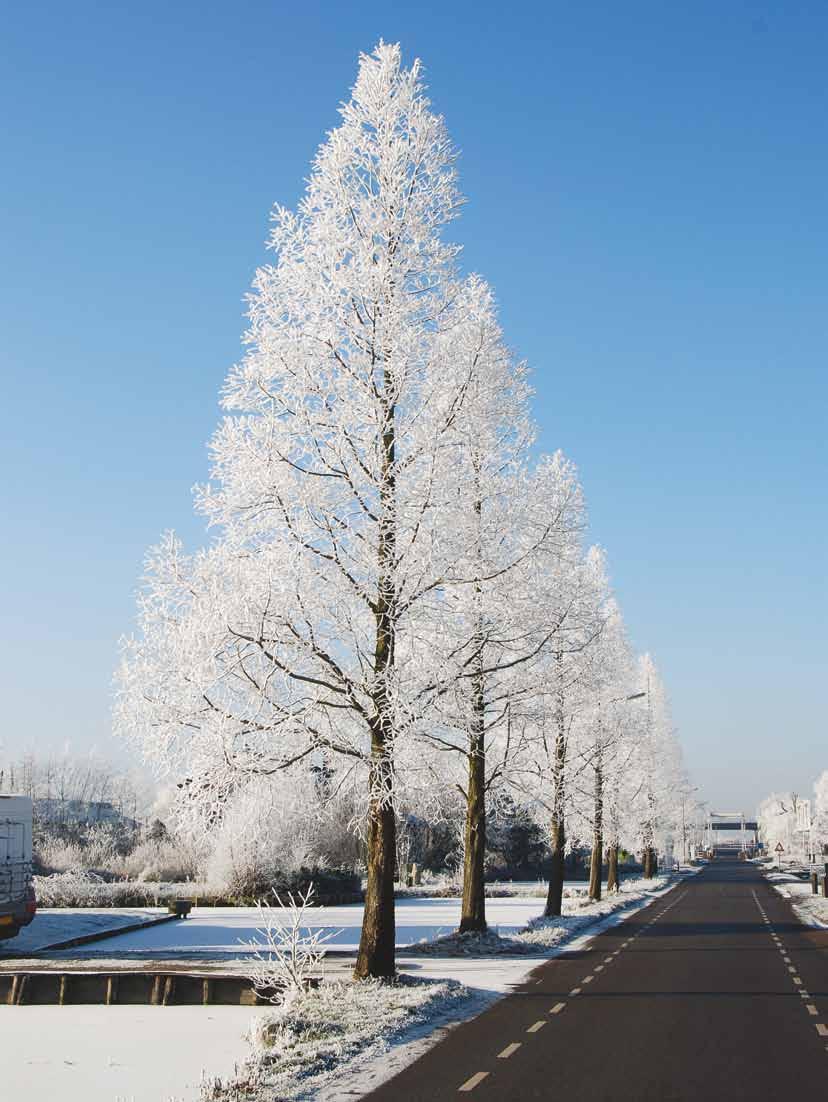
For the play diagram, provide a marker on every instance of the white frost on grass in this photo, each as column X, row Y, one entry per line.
column 315, row 1035
column 49, row 927
column 541, row 933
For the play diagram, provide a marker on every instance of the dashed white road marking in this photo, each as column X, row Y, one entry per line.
column 812, row 1010
column 575, row 991
column 509, row 1050
column 822, row 1030
column 557, row 1008
column 477, row 1078
column 599, row 968
column 796, row 980
column 587, row 979
column 535, row 1026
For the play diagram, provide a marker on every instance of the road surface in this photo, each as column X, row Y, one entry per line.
column 714, row 991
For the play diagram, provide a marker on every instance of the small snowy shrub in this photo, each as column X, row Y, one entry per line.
column 292, row 952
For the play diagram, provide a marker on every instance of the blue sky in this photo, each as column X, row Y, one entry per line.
column 647, row 193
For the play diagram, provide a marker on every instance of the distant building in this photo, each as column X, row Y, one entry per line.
column 54, row 811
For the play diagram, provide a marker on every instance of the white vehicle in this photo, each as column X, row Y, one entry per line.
column 17, row 898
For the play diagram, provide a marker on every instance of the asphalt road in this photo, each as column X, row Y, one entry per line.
column 714, row 991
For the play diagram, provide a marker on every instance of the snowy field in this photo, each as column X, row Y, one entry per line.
column 119, row 1053
column 52, row 926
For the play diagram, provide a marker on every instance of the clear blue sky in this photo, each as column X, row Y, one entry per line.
column 648, row 189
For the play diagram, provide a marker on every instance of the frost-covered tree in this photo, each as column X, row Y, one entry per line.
column 605, row 743
column 511, row 525
column 572, row 596
column 657, row 768
column 294, row 634
column 820, row 816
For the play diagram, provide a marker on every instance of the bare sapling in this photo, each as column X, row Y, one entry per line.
column 290, row 953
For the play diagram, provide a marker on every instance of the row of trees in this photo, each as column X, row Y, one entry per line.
column 398, row 597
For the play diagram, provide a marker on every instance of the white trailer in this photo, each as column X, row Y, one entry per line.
column 17, row 898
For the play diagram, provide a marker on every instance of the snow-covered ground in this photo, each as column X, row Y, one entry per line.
column 118, row 1053
column 811, row 909
column 51, row 926
column 224, row 931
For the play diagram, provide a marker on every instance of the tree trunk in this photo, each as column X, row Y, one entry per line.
column 554, row 896
column 376, row 943
column 473, row 913
column 612, row 868
column 557, row 874
column 649, row 856
column 597, row 859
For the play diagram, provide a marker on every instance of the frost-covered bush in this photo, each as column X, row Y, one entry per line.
column 57, row 854
column 313, row 1033
column 78, row 888
column 166, row 859
column 269, row 832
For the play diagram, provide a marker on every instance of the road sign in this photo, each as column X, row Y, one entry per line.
column 780, row 848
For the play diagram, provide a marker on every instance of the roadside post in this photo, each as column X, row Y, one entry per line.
column 780, row 849
column 814, row 887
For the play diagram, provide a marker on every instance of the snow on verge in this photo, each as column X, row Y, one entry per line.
column 542, row 933
column 314, row 1035
column 810, row 909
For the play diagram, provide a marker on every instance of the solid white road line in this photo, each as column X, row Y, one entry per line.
column 470, row 1084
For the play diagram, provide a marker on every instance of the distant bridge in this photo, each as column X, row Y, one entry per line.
column 731, row 831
